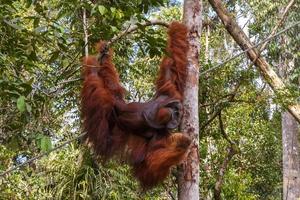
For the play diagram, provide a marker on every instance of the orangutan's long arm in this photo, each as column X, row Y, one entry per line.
column 173, row 68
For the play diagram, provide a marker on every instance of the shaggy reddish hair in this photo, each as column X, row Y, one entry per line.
column 138, row 132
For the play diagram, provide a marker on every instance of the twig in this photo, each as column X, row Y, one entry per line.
column 279, row 23
column 77, row 55
column 215, row 114
column 113, row 40
column 40, row 156
column 221, row 125
column 126, row 32
column 218, row 186
column 69, row 81
column 218, row 112
column 231, row 151
column 134, row 28
column 218, row 101
column 169, row 192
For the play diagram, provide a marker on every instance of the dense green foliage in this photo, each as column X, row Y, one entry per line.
column 41, row 43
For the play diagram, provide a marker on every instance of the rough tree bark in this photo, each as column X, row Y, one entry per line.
column 85, row 31
column 262, row 65
column 188, row 176
column 290, row 141
column 290, row 157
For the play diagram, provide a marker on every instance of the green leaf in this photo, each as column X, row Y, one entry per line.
column 28, row 107
column 21, row 104
column 114, row 29
column 119, row 14
column 46, row 143
column 102, row 9
column 113, row 10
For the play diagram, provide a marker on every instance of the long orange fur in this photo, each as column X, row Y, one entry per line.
column 117, row 129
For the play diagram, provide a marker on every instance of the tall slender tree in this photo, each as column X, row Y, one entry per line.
column 188, row 180
column 290, row 138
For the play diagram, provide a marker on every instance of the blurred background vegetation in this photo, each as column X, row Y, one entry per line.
column 41, row 44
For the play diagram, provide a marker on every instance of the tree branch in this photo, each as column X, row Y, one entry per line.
column 264, row 67
column 129, row 30
column 218, row 186
column 221, row 125
column 279, row 23
column 231, row 97
column 231, row 151
column 133, row 28
column 85, row 31
column 109, row 43
column 274, row 30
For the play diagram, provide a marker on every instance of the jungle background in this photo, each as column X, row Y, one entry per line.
column 41, row 44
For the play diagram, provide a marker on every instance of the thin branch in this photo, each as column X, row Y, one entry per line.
column 85, row 31
column 231, row 151
column 136, row 27
column 214, row 115
column 273, row 32
column 248, row 49
column 76, row 56
column 69, row 81
column 221, row 125
column 232, row 95
column 40, row 156
column 111, row 41
column 217, row 101
column 219, row 183
column 169, row 192
column 262, row 65
column 279, row 23
column 128, row 30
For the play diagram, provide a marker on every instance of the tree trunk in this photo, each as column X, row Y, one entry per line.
column 290, row 140
column 291, row 158
column 85, row 31
column 188, row 176
column 262, row 65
